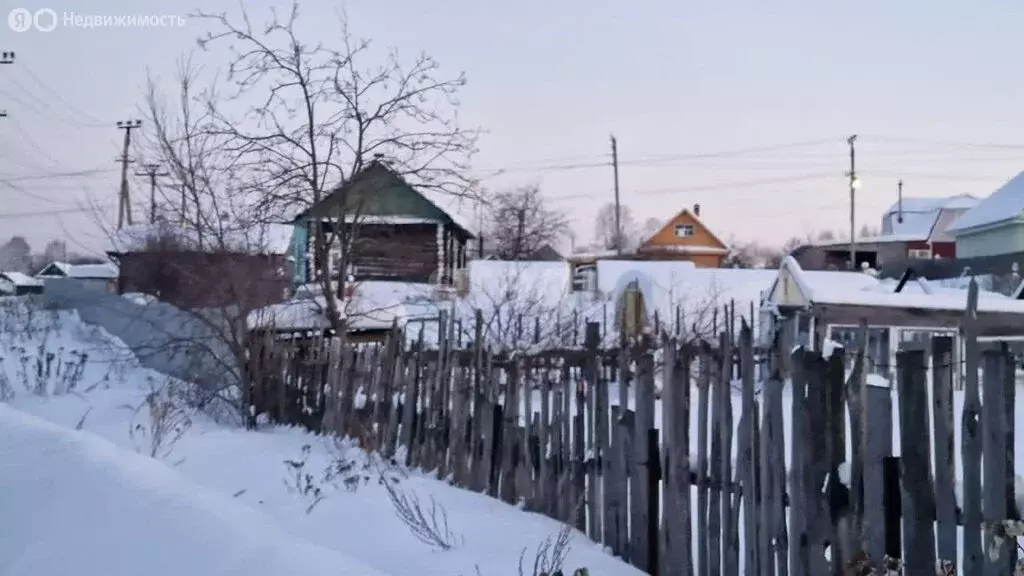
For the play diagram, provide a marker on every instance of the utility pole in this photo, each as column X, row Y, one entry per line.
column 124, row 209
column 618, row 207
column 899, row 202
column 152, row 170
column 6, row 57
column 854, row 184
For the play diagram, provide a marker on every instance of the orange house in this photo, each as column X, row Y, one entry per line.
column 685, row 237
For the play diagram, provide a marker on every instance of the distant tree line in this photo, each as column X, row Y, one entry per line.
column 17, row 256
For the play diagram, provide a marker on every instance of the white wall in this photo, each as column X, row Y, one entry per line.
column 1002, row 240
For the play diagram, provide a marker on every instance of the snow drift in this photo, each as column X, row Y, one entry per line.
column 84, row 506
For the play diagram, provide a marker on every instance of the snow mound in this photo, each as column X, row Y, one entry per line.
column 74, row 503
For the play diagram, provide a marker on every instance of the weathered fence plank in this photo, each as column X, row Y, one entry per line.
column 945, row 460
column 703, row 495
column 714, row 519
column 971, row 440
column 915, row 444
column 993, row 426
column 644, row 468
column 799, row 545
column 756, row 549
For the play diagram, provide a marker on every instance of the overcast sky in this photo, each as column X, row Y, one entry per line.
column 689, row 88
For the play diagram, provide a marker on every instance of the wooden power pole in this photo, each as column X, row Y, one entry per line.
column 153, row 172
column 6, row 57
column 854, row 184
column 124, row 209
column 618, row 207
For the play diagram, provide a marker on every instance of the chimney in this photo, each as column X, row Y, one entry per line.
column 696, row 210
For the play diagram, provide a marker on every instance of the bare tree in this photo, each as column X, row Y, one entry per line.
column 210, row 254
column 324, row 115
column 605, row 232
column 520, row 223
column 651, row 227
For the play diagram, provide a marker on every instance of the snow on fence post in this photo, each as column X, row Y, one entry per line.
column 971, row 441
column 918, row 497
column 993, row 426
column 945, row 456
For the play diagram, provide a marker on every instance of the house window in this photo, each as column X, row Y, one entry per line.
column 919, row 254
column 684, row 230
column 584, row 279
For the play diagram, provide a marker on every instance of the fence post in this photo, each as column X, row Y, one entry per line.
column 993, row 427
column 918, row 497
column 1010, row 406
column 971, row 444
column 945, row 457
column 892, row 507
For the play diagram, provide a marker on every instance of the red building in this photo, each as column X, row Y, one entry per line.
column 246, row 267
column 912, row 229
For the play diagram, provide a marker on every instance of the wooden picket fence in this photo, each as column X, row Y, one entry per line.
column 544, row 430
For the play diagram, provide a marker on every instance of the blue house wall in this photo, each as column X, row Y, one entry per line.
column 300, row 242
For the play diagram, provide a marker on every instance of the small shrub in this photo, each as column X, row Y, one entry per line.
column 428, row 524
column 165, row 423
column 301, row 482
column 6, row 389
column 550, row 554
column 343, row 471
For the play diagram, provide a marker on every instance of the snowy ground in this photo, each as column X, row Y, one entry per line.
column 219, row 500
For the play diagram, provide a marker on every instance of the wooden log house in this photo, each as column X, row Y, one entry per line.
column 399, row 233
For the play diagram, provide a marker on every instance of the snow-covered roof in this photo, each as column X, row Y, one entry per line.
column 919, row 217
column 373, row 305
column 1005, row 204
column 105, row 271
column 915, row 295
column 243, row 238
column 681, row 249
column 454, row 206
column 20, row 279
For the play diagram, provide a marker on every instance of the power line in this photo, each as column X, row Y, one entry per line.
column 152, row 171
column 61, row 99
column 554, row 167
column 55, row 175
column 32, row 143
column 40, row 213
column 947, row 143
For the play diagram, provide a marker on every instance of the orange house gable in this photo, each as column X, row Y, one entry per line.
column 685, row 237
